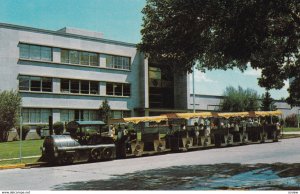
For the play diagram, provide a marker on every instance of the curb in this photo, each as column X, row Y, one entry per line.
column 27, row 165
column 12, row 166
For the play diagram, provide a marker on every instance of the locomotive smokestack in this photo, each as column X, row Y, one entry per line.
column 50, row 125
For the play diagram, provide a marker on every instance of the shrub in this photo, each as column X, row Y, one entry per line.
column 39, row 128
column 291, row 120
column 25, row 131
column 58, row 128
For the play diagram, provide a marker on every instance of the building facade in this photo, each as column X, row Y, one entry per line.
column 212, row 103
column 68, row 73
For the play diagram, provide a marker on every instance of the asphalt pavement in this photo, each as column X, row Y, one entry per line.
column 47, row 178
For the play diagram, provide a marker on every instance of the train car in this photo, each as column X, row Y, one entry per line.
column 86, row 142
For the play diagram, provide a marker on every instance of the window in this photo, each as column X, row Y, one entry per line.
column 74, row 57
column 117, row 62
column 94, row 87
column 46, row 84
column 94, row 61
column 65, row 86
column 85, row 87
column 64, row 56
column 126, row 89
column 25, row 115
column 37, row 84
column 36, row 115
column 24, row 83
column 84, row 58
column 35, row 52
column 67, row 115
column 46, row 54
column 109, row 89
column 74, row 86
column 109, row 61
column 45, row 113
column 79, row 86
column 24, row 51
column 117, row 89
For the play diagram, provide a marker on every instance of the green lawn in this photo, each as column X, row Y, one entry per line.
column 11, row 150
column 287, row 129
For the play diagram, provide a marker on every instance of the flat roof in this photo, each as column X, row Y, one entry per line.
column 59, row 33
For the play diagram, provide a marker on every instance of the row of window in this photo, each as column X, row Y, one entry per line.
column 42, row 84
column 79, row 86
column 79, row 115
column 35, row 52
column 39, row 115
column 117, row 62
column 44, row 53
column 36, row 115
column 37, row 84
column 117, row 89
column 79, row 57
column 68, row 115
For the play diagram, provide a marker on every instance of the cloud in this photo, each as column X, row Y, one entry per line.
column 286, row 85
column 201, row 77
column 253, row 72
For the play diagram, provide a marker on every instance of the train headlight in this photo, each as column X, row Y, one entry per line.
column 55, row 151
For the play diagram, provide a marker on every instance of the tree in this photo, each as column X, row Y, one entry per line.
column 10, row 103
column 105, row 111
column 267, row 103
column 226, row 34
column 236, row 100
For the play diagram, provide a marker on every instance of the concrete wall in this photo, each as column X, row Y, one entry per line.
column 181, row 91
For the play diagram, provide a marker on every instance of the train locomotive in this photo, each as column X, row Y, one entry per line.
column 138, row 136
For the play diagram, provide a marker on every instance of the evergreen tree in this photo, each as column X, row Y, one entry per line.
column 267, row 102
column 105, row 111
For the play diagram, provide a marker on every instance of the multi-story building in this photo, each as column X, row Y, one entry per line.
column 68, row 73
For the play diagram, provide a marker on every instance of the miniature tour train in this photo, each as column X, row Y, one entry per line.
column 137, row 136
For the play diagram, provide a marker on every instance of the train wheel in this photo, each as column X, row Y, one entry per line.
column 107, row 153
column 96, row 154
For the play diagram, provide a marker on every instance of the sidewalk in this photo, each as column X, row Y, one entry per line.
column 291, row 133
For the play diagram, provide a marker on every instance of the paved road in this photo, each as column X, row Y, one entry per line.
column 286, row 151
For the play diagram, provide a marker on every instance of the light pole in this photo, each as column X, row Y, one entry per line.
column 20, row 136
column 194, row 110
column 298, row 119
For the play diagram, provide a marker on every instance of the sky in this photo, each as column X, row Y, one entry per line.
column 118, row 20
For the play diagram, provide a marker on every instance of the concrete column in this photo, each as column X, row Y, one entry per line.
column 56, row 55
column 144, row 86
column 56, row 85
column 102, row 60
column 56, row 115
column 102, row 88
